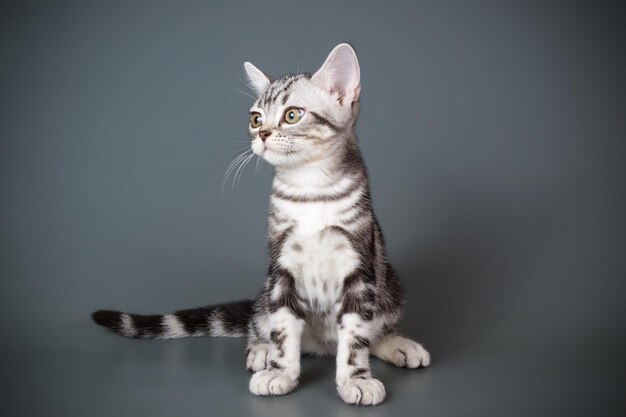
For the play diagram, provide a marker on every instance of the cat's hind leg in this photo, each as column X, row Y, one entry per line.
column 257, row 355
column 401, row 352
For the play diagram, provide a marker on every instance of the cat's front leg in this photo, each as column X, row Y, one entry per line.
column 355, row 335
column 285, row 331
column 283, row 363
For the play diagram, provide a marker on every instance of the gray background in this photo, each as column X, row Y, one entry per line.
column 494, row 136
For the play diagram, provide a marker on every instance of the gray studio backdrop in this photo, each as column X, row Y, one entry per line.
column 494, row 137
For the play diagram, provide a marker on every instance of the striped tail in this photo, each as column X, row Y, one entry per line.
column 229, row 319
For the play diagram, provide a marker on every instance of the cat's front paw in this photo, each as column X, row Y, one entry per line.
column 272, row 382
column 256, row 359
column 361, row 391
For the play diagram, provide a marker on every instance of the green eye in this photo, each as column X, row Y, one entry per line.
column 293, row 114
column 256, row 120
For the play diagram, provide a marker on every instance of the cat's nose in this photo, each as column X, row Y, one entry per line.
column 264, row 134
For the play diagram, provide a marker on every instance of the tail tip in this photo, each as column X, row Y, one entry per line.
column 107, row 318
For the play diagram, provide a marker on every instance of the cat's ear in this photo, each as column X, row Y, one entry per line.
column 258, row 81
column 340, row 74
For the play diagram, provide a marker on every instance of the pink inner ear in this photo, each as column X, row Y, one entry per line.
column 344, row 73
column 340, row 74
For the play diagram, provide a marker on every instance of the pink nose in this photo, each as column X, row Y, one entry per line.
column 264, row 134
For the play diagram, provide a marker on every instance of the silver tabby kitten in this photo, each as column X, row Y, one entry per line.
column 330, row 288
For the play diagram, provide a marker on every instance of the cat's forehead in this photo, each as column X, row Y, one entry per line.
column 282, row 90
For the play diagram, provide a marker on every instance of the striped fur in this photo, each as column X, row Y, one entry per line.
column 230, row 320
column 329, row 288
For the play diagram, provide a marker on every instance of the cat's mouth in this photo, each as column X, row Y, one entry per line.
column 278, row 154
column 264, row 149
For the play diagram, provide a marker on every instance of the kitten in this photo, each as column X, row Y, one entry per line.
column 330, row 288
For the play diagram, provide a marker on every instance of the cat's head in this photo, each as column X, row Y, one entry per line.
column 305, row 118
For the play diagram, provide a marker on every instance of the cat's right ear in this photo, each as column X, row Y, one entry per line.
column 258, row 81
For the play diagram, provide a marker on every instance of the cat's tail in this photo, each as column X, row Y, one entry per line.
column 229, row 320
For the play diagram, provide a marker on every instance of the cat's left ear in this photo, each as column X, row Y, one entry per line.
column 258, row 80
column 340, row 74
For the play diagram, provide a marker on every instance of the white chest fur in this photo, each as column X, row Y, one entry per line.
column 317, row 256
column 319, row 262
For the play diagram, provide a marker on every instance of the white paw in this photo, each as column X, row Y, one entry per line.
column 410, row 354
column 257, row 357
column 402, row 352
column 362, row 391
column 271, row 382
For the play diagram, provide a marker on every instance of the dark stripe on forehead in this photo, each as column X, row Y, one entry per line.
column 267, row 99
column 269, row 92
column 324, row 121
column 280, row 87
column 286, row 86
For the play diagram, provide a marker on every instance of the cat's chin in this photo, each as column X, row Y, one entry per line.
column 293, row 160
column 274, row 158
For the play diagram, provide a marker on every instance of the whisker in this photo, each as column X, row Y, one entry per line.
column 246, row 139
column 236, row 171
column 242, row 156
column 244, row 167
column 236, row 161
column 246, row 94
column 239, row 171
column 236, row 149
column 231, row 166
column 247, row 85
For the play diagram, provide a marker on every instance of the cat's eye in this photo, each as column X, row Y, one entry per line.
column 293, row 115
column 256, row 119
